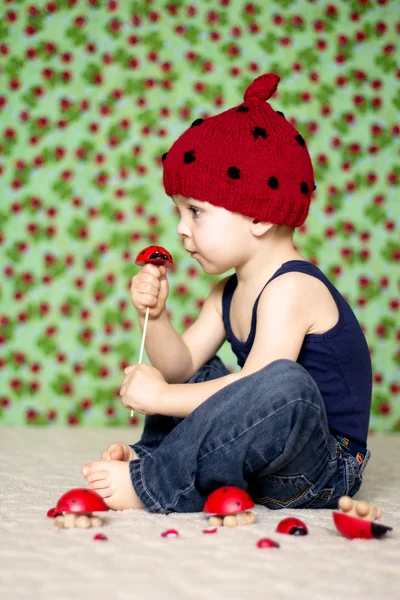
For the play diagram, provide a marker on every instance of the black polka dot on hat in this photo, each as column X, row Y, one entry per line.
column 299, row 139
column 315, row 187
column 304, row 187
column 280, row 113
column 243, row 109
column 164, row 156
column 189, row 157
column 259, row 132
column 234, row 173
column 273, row 183
column 197, row 122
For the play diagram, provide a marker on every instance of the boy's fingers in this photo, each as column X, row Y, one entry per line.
column 129, row 369
column 150, row 268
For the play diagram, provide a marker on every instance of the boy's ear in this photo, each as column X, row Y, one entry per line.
column 258, row 228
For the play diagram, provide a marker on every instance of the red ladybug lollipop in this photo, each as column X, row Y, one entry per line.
column 156, row 255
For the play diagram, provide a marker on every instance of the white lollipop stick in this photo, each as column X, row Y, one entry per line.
column 143, row 338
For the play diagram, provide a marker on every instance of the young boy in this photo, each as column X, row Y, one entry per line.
column 291, row 427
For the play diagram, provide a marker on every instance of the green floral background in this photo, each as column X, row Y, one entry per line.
column 92, row 93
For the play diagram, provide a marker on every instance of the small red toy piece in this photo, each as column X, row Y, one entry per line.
column 210, row 530
column 267, row 543
column 351, row 527
column 156, row 255
column 100, row 536
column 170, row 533
column 292, row 526
column 229, row 504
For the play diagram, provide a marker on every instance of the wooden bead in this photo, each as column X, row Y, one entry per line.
column 215, row 521
column 362, row 508
column 374, row 513
column 83, row 522
column 96, row 521
column 251, row 517
column 59, row 521
column 230, row 521
column 69, row 520
column 242, row 518
column 345, row 503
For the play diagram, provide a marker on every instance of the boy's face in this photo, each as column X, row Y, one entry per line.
column 217, row 238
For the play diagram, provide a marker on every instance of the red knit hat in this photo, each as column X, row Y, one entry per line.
column 248, row 159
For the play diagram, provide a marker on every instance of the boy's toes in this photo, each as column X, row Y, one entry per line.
column 92, row 467
column 104, row 493
column 116, row 451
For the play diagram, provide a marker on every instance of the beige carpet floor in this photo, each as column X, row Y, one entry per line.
column 40, row 561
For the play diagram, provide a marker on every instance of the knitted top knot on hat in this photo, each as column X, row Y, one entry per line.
column 248, row 159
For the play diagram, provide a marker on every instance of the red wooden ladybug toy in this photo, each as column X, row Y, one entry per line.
column 156, row 255
column 292, row 526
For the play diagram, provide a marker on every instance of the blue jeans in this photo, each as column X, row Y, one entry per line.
column 266, row 433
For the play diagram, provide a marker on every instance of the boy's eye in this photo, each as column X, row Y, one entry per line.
column 195, row 211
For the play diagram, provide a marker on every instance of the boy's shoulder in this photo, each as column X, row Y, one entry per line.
column 309, row 294
column 295, row 280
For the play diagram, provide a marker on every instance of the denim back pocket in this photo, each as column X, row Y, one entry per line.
column 296, row 491
column 337, row 485
column 345, row 481
column 279, row 491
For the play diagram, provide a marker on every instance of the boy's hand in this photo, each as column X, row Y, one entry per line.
column 149, row 288
column 142, row 389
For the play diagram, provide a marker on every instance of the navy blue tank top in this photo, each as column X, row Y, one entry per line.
column 338, row 360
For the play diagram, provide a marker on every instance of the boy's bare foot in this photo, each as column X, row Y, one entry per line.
column 112, row 481
column 119, row 451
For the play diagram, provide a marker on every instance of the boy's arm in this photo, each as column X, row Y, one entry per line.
column 181, row 399
column 283, row 320
column 178, row 357
column 206, row 335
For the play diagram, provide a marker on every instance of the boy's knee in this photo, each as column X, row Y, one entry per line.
column 286, row 365
column 288, row 371
column 286, row 379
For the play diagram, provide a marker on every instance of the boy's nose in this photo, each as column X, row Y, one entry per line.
column 182, row 230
